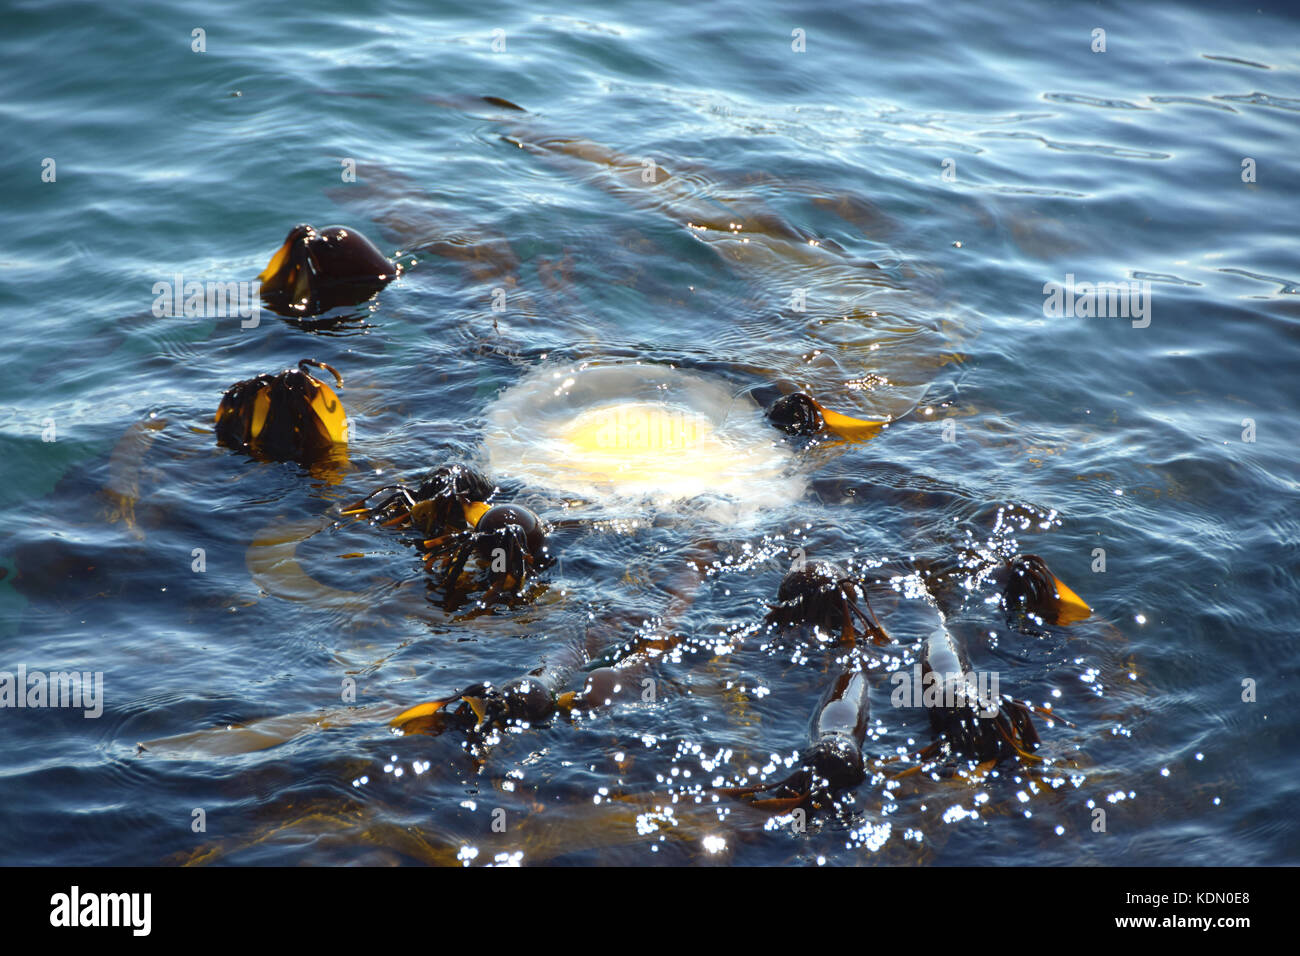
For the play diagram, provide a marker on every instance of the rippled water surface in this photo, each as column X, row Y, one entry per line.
column 872, row 219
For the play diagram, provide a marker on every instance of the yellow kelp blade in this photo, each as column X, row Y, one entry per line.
column 233, row 739
column 419, row 710
column 273, row 564
column 848, row 636
column 124, row 469
column 227, row 407
column 301, row 285
column 329, row 410
column 276, row 264
column 261, row 406
column 474, row 510
column 1070, row 608
column 854, row 429
column 778, row 806
column 330, row 825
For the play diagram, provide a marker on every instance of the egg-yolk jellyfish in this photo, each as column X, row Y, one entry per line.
column 641, row 432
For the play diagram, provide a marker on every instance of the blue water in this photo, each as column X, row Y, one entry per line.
column 925, row 302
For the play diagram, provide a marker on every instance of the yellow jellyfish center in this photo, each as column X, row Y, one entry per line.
column 636, row 429
column 639, row 439
column 637, row 432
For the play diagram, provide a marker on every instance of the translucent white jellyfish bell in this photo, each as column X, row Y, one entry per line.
column 643, row 432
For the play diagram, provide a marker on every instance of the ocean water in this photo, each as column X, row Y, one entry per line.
column 869, row 202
